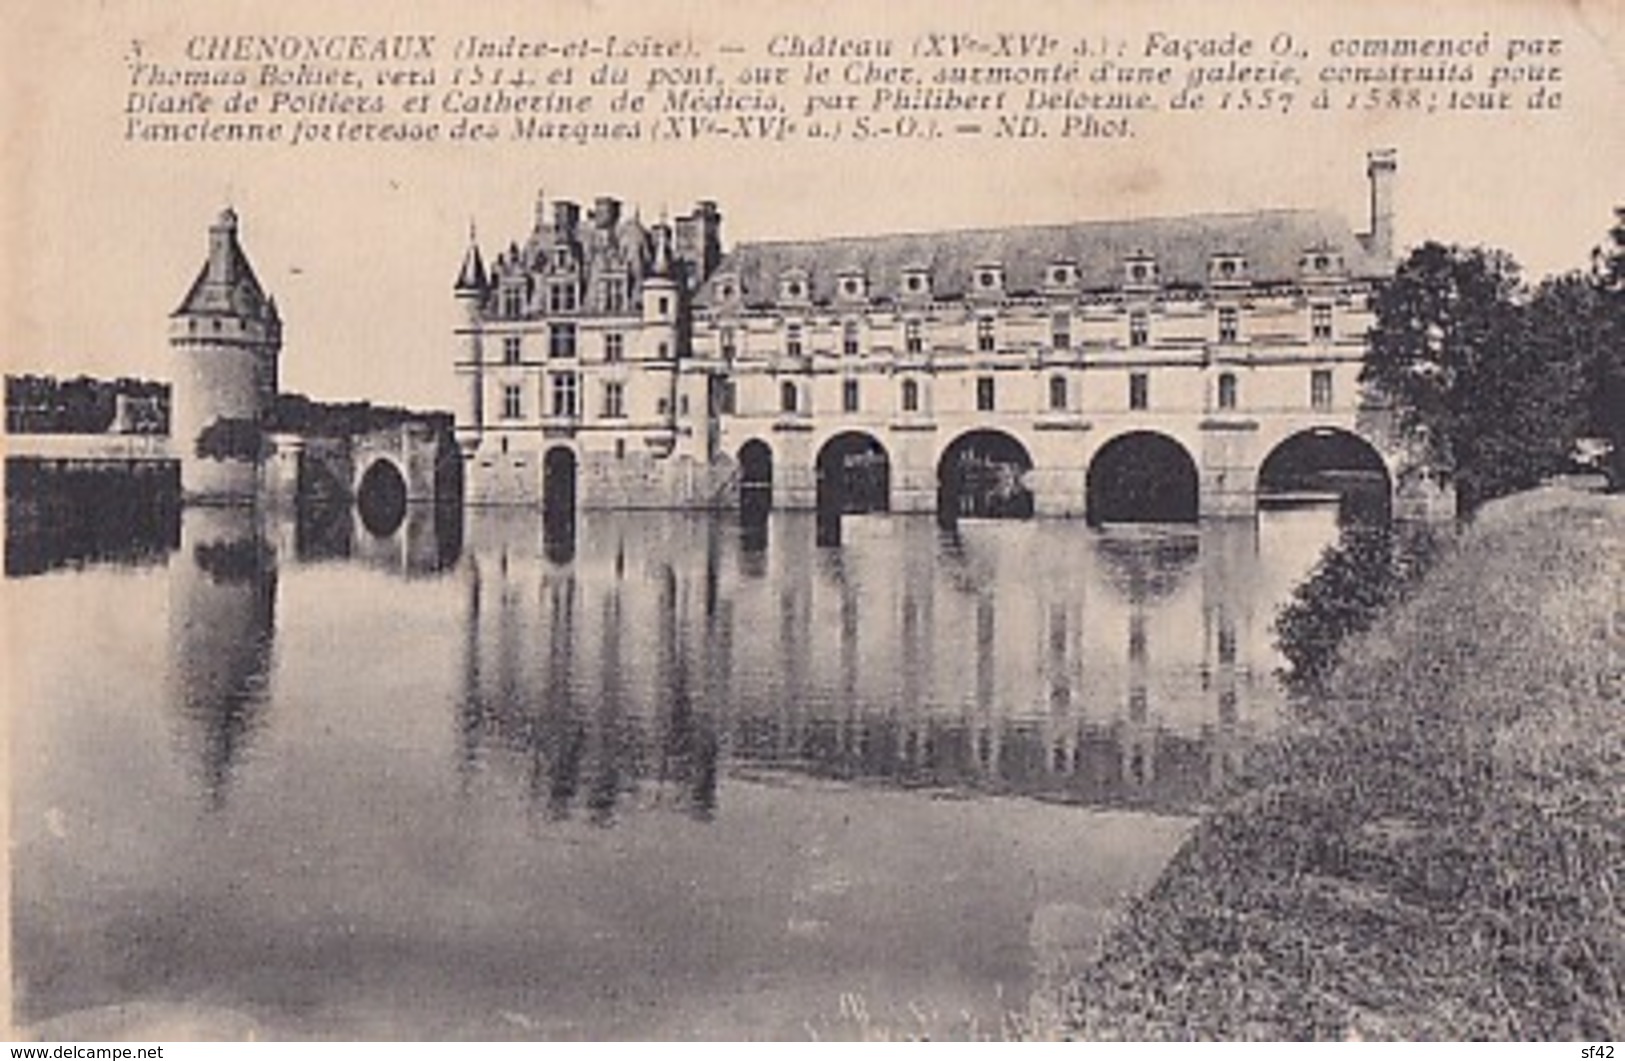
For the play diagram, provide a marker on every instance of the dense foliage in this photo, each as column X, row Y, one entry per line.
column 232, row 439
column 1355, row 580
column 1499, row 381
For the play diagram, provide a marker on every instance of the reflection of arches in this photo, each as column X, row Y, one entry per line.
column 1142, row 477
column 382, row 498
column 1327, row 461
column 983, row 475
column 854, row 474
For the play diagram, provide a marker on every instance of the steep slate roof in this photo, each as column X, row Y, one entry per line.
column 226, row 285
column 1273, row 241
column 472, row 275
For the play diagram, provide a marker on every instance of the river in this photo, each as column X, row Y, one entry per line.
column 666, row 778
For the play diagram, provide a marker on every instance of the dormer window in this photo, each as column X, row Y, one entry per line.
column 1320, row 261
column 1062, row 274
column 916, row 282
column 989, row 279
column 793, row 286
column 513, row 301
column 1226, row 269
column 1140, row 270
column 852, row 287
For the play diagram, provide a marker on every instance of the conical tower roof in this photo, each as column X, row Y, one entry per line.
column 226, row 286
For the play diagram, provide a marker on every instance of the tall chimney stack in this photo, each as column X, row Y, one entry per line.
column 1381, row 166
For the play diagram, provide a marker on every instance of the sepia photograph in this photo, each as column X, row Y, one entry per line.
column 610, row 521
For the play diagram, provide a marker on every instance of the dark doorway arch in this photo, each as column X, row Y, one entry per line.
column 1328, row 463
column 755, row 482
column 1142, row 477
column 983, row 475
column 854, row 475
column 382, row 498
column 559, row 480
column 559, row 504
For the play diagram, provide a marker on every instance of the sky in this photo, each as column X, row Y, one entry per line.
column 360, row 245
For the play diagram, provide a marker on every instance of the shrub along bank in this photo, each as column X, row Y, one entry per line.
column 1436, row 851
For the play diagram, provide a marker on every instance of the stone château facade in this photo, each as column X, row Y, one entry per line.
column 610, row 363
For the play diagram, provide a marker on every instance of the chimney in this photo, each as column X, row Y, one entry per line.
column 606, row 213
column 1381, row 166
column 566, row 218
column 222, row 239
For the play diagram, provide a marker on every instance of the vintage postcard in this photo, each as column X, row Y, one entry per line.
column 772, row 521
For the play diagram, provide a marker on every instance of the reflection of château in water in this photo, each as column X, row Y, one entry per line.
column 223, row 579
column 671, row 648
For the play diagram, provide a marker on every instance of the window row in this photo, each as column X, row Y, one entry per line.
column 615, row 295
column 1138, row 270
column 1059, row 397
column 563, row 342
column 1228, row 330
column 564, row 390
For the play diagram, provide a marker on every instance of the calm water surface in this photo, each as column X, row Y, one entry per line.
column 668, row 779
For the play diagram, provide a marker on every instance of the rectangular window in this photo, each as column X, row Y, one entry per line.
column 561, row 298
column 911, row 396
column 725, row 343
column 1320, row 388
column 792, row 340
column 513, row 402
column 1061, row 331
column 1320, row 322
column 1057, row 392
column 615, row 295
column 561, row 340
column 682, row 405
column 1227, row 391
column 614, row 346
column 849, row 395
column 911, row 337
column 1227, row 324
column 511, row 349
column 1139, row 390
column 984, row 394
column 564, row 394
column 614, row 399
column 986, row 342
column 1139, row 328
column 513, row 302
column 849, row 339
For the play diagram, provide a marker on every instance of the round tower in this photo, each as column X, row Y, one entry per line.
column 226, row 336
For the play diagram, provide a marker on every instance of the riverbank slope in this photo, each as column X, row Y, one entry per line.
column 1439, row 850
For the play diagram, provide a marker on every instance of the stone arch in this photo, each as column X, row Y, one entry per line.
column 983, row 474
column 380, row 495
column 1319, row 463
column 559, row 482
column 1142, row 477
column 755, row 479
column 853, row 472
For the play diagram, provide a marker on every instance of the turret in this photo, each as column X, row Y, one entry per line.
column 471, row 291
column 226, row 337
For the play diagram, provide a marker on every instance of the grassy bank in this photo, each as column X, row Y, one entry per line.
column 1439, row 850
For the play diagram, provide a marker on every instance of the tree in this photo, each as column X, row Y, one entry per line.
column 1604, row 379
column 1452, row 349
